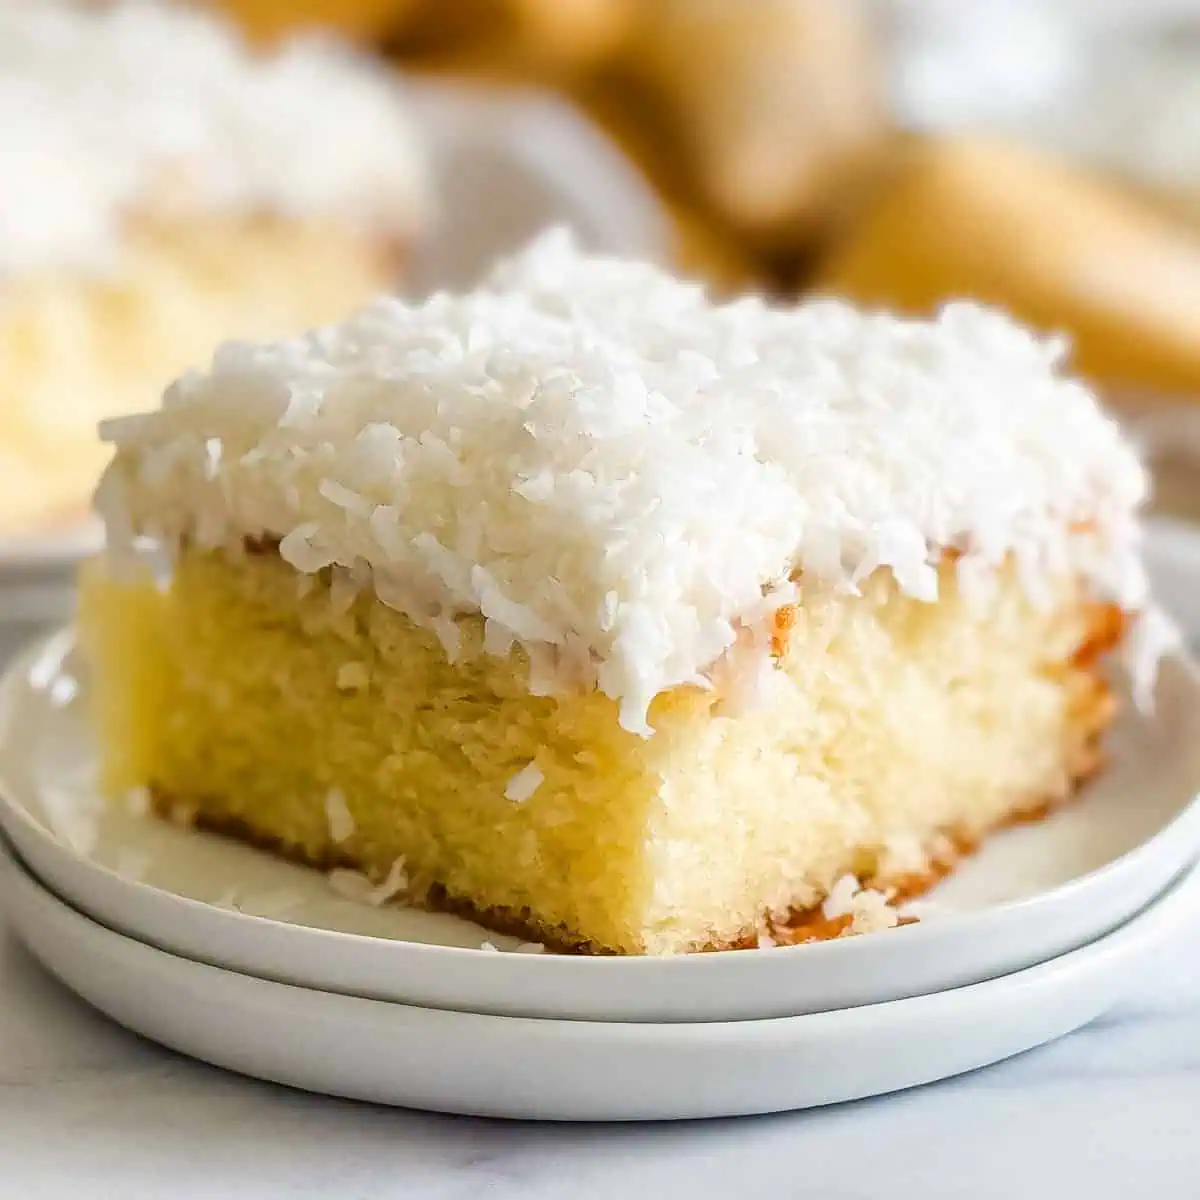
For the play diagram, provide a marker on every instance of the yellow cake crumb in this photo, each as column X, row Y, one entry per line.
column 888, row 721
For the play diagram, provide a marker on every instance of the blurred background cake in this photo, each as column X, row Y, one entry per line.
column 165, row 188
column 1039, row 157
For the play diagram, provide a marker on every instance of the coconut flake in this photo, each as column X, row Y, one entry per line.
column 1154, row 636
column 869, row 910
column 338, row 815
column 873, row 913
column 353, row 677
column 354, row 885
column 524, row 783
column 622, row 476
column 393, row 884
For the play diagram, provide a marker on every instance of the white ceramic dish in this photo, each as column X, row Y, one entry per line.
column 35, row 554
column 575, row 1070
column 536, row 162
column 1031, row 894
column 37, row 572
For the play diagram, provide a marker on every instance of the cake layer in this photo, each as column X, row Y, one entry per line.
column 322, row 722
column 77, row 349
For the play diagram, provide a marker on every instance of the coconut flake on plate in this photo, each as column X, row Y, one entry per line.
column 354, row 885
column 869, row 910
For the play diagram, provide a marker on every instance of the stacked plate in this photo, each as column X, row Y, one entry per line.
column 262, row 967
column 37, row 574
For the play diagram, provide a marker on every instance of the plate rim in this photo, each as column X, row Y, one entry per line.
column 10, row 859
column 1066, row 986
column 62, row 548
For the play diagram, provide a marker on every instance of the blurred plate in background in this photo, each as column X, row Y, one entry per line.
column 507, row 164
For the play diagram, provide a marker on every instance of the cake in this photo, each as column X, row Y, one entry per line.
column 164, row 189
column 614, row 617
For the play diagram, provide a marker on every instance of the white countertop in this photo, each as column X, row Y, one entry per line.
column 90, row 1111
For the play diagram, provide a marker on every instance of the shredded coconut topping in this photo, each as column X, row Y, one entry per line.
column 150, row 107
column 622, row 476
column 1154, row 636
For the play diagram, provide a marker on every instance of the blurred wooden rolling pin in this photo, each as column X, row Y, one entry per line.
column 775, row 105
column 752, row 117
column 1059, row 247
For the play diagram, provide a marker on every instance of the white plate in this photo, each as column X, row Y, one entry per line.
column 575, row 1070
column 34, row 554
column 37, row 573
column 535, row 162
column 1031, row 894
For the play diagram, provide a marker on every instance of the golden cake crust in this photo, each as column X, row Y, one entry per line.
column 801, row 926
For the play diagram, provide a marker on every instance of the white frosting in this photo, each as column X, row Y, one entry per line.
column 146, row 106
column 621, row 475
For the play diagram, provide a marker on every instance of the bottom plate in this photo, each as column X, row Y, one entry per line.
column 574, row 1070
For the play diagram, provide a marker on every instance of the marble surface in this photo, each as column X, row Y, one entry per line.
column 89, row 1110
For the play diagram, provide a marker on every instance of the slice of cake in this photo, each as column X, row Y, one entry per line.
column 611, row 616
column 165, row 188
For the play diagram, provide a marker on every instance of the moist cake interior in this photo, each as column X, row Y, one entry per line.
column 894, row 731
